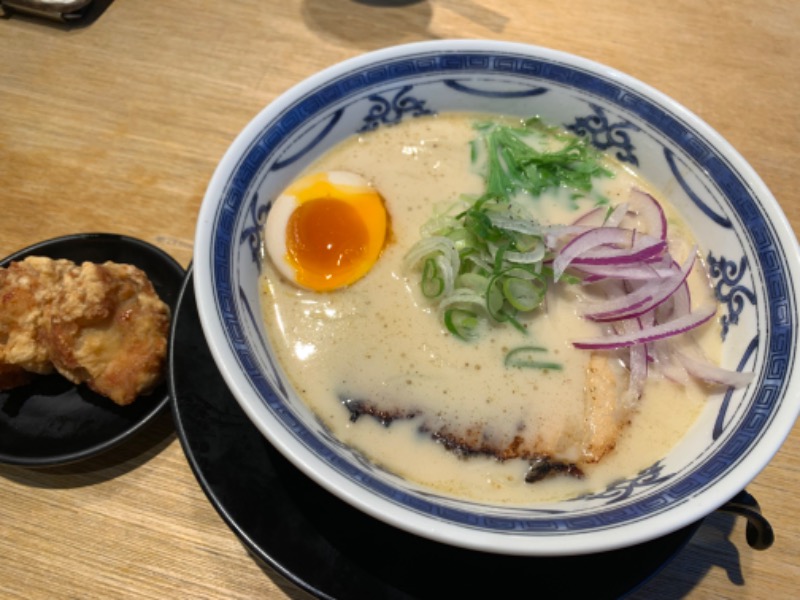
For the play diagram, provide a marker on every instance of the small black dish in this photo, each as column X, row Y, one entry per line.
column 51, row 421
column 294, row 527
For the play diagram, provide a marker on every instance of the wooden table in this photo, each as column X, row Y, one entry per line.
column 117, row 127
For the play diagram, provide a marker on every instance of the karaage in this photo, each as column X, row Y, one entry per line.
column 27, row 288
column 99, row 324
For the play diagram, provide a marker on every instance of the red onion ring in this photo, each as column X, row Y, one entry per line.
column 649, row 334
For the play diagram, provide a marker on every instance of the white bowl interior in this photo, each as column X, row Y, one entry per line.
column 739, row 225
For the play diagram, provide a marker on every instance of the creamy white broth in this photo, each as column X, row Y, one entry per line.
column 380, row 341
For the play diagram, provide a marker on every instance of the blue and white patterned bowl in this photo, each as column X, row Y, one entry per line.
column 751, row 250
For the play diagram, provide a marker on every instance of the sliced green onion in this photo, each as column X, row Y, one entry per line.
column 432, row 280
column 523, row 294
column 525, row 242
column 463, row 298
column 483, row 258
column 495, row 299
column 461, row 323
column 461, row 238
column 473, row 281
column 526, row 357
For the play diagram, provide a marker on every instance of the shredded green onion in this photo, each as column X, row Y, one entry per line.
column 525, row 357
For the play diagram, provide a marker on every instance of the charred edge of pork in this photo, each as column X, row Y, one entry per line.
column 540, row 466
column 357, row 408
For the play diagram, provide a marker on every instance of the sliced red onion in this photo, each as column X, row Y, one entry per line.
column 680, row 304
column 706, row 371
column 649, row 212
column 647, row 319
column 637, row 363
column 649, row 334
column 616, row 216
column 648, row 299
column 662, row 354
column 644, row 249
column 646, row 270
column 590, row 239
column 556, row 235
column 606, row 246
column 645, row 298
column 592, row 218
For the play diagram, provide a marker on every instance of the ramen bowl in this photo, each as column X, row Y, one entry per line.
column 751, row 251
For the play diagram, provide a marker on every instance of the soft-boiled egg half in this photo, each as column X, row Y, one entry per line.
column 326, row 230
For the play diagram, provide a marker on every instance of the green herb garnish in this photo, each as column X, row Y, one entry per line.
column 483, row 261
column 534, row 157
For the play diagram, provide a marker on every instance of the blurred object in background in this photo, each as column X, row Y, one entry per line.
column 72, row 12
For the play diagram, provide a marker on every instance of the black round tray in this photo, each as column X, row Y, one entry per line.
column 333, row 550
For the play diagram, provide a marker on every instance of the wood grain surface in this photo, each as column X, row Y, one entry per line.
column 117, row 127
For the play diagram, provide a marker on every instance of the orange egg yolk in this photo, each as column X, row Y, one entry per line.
column 326, row 239
column 335, row 231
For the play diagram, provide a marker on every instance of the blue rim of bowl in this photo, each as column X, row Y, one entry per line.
column 671, row 120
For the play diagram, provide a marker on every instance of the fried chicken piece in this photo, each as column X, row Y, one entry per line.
column 27, row 288
column 12, row 376
column 99, row 324
column 108, row 329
